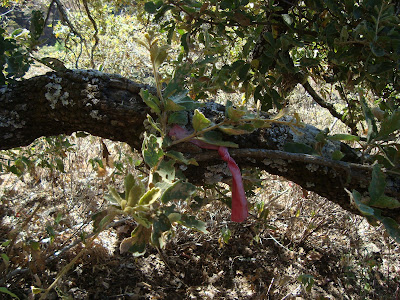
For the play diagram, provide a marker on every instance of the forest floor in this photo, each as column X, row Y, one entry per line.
column 305, row 247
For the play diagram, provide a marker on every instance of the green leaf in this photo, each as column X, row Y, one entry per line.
column 343, row 137
column 363, row 208
column 174, row 217
column 199, row 121
column 185, row 39
column 111, row 199
column 166, row 170
column 172, row 106
column 306, row 280
column 134, row 191
column 115, row 195
column 178, row 191
column 5, row 258
column 178, row 156
column 226, row 234
column 337, row 155
column 378, row 183
column 160, row 225
column 309, row 62
column 4, row 290
column 99, row 219
column 369, row 118
column 152, row 101
column 53, row 63
column 179, row 117
column 150, row 196
column 160, row 56
column 192, row 222
column 136, row 244
column 150, row 7
column 153, row 124
column 181, row 98
column 390, row 124
column 237, row 130
column 37, row 24
column 215, row 138
column 142, row 220
column 287, row 18
column 235, row 114
column 385, row 202
column 60, row 165
column 392, row 227
column 129, row 183
column 377, row 50
column 298, row 148
column 380, row 68
column 151, row 150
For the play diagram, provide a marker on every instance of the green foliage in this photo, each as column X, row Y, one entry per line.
column 4, row 290
column 377, row 200
column 307, row 281
column 47, row 153
column 14, row 61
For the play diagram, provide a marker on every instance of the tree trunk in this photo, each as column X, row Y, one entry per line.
column 110, row 106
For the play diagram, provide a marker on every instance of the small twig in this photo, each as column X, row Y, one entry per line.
column 48, row 12
column 96, row 31
column 276, row 241
column 23, row 226
column 270, row 285
column 168, row 266
column 74, row 260
column 78, row 241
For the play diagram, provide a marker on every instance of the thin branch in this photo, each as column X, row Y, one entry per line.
column 317, row 98
column 48, row 12
column 96, row 31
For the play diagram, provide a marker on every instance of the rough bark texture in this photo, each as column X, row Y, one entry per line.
column 102, row 104
column 110, row 106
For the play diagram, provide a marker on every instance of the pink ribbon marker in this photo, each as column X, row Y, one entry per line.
column 239, row 201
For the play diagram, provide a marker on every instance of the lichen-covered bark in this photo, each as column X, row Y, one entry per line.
column 324, row 176
column 110, row 106
column 104, row 105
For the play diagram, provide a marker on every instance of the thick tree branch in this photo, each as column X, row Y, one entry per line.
column 104, row 105
column 110, row 106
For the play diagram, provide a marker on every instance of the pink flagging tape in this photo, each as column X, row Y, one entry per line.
column 239, row 201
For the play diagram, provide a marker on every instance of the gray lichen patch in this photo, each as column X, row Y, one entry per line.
column 11, row 119
column 216, row 173
column 95, row 115
column 267, row 161
column 64, row 99
column 87, row 74
column 310, row 184
column 53, row 93
column 278, row 164
column 308, row 136
column 3, row 89
column 312, row 167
